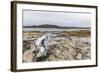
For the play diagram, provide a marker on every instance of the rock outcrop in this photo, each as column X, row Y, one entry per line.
column 60, row 48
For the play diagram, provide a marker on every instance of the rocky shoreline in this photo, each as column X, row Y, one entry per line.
column 60, row 48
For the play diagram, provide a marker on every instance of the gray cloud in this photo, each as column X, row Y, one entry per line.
column 56, row 18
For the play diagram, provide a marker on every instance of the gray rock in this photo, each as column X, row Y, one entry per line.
column 60, row 48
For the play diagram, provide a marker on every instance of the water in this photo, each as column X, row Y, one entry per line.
column 51, row 29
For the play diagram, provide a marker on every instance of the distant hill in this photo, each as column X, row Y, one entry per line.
column 54, row 26
column 48, row 26
column 43, row 26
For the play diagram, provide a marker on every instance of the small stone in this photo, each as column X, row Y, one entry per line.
column 79, row 56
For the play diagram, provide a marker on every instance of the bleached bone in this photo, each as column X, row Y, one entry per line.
column 42, row 44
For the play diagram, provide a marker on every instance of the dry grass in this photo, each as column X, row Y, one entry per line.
column 81, row 33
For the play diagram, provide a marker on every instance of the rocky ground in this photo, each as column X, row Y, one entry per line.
column 60, row 48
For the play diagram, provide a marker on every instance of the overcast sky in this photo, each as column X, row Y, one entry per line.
column 71, row 19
